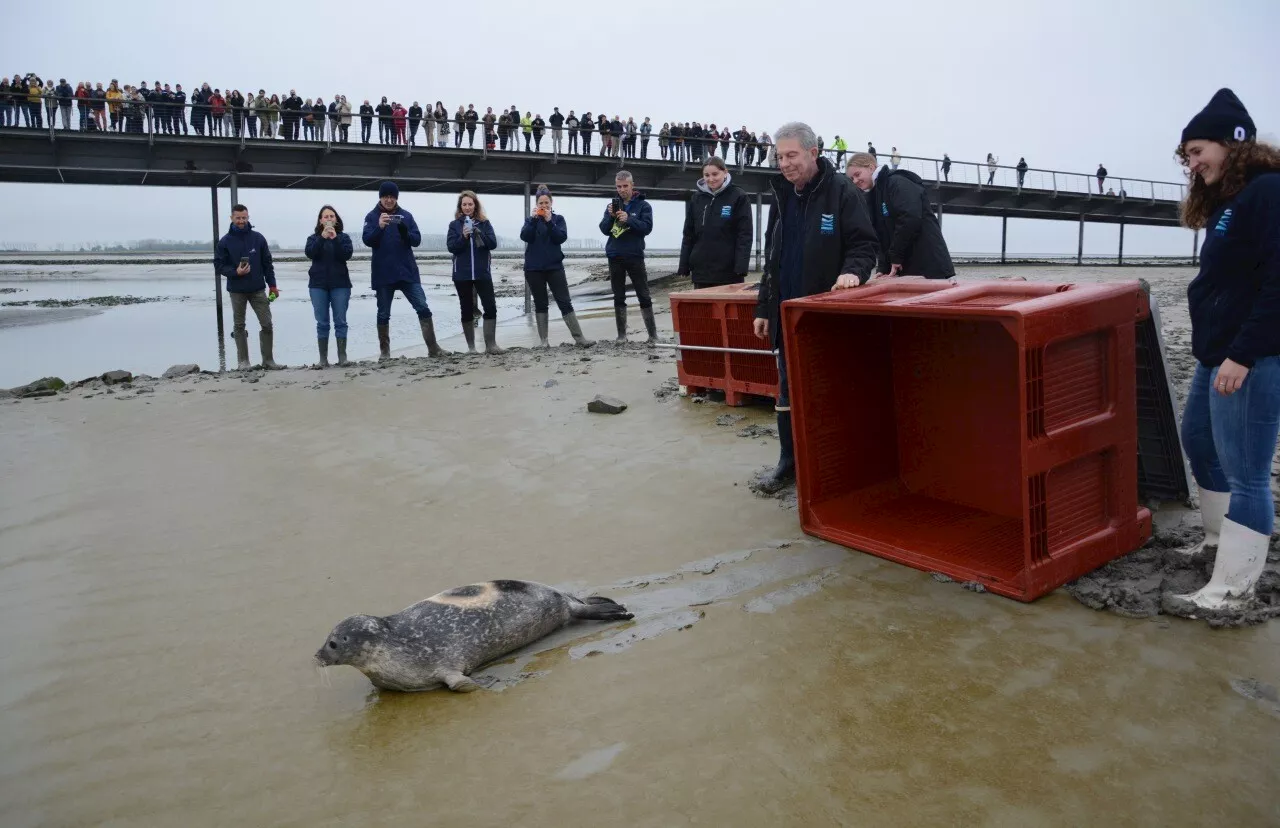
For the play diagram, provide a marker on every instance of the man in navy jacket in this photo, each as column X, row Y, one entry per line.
column 392, row 233
column 244, row 259
column 627, row 220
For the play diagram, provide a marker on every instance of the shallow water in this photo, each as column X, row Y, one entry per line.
column 182, row 328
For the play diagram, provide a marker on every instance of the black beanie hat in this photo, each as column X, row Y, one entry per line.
column 388, row 188
column 1223, row 119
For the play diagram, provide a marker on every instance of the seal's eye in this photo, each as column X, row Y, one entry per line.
column 333, row 645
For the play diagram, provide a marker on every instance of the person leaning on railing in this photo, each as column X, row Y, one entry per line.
column 1232, row 416
column 911, row 241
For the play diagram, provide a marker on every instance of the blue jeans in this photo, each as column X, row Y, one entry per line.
column 321, row 302
column 1230, row 441
column 411, row 290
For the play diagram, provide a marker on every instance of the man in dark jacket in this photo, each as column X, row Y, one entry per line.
column 716, row 248
column 392, row 233
column 557, row 131
column 627, row 220
column 66, row 95
column 911, row 242
column 819, row 231
column 179, row 110
column 471, row 119
column 244, row 259
column 587, row 125
column 366, row 120
column 385, row 135
column 415, row 118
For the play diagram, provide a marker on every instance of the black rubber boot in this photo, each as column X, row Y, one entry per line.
column 342, row 351
column 620, row 316
column 650, row 325
column 323, row 345
column 784, row 474
column 265, row 340
column 242, row 350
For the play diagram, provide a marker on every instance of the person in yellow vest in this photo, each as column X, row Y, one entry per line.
column 841, row 148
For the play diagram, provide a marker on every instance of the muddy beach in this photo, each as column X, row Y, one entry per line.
column 173, row 552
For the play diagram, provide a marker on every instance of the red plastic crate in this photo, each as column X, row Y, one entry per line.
column 985, row 430
column 722, row 317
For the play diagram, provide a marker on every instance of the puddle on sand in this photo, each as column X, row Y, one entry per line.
column 659, row 611
column 591, row 763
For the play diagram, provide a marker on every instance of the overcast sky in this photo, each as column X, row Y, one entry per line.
column 1067, row 85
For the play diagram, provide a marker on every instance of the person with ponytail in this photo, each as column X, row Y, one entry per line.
column 543, row 233
column 1232, row 415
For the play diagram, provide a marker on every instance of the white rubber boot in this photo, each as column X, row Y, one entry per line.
column 1242, row 554
column 1213, row 510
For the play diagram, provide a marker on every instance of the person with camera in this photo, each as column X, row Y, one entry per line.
column 911, row 242
column 572, row 123
column 470, row 238
column 543, row 233
column 627, row 220
column 329, row 281
column 820, row 234
column 716, row 248
column 244, row 259
column 392, row 233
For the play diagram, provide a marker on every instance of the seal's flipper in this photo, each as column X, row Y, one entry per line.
column 459, row 683
column 599, row 608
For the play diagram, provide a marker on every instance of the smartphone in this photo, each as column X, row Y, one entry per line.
column 395, row 218
column 617, row 204
column 244, row 260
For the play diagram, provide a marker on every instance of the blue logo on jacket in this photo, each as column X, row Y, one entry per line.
column 827, row 224
column 726, row 211
column 1223, row 222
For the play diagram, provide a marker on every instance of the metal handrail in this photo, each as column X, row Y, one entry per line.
column 1055, row 182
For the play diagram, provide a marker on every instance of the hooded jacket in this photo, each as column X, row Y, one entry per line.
column 909, row 231
column 716, row 248
column 626, row 241
column 239, row 244
column 393, row 260
column 471, row 253
column 1235, row 298
column 329, row 259
column 835, row 234
column 544, row 239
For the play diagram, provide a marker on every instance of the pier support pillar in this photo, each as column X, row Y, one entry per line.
column 217, row 286
column 1120, row 258
column 1080, row 246
column 1004, row 236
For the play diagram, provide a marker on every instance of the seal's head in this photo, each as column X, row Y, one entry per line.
column 352, row 641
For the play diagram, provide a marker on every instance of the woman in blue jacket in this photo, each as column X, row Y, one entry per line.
column 470, row 239
column 329, row 250
column 1232, row 416
column 543, row 233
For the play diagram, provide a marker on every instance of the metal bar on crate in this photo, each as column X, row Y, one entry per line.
column 751, row 351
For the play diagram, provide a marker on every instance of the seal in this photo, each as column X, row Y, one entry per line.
column 440, row 640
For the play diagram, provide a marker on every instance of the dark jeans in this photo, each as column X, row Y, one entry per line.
column 586, row 143
column 411, row 290
column 365, row 126
column 540, row 280
column 1230, row 440
column 467, row 299
column 619, row 270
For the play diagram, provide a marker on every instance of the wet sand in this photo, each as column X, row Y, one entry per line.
column 171, row 558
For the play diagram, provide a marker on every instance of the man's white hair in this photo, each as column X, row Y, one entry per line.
column 798, row 131
column 622, row 175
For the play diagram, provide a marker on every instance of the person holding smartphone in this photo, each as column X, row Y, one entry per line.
column 329, row 250
column 470, row 238
column 392, row 233
column 627, row 220
column 543, row 233
column 244, row 259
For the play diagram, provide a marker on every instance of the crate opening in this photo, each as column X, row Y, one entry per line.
column 919, row 445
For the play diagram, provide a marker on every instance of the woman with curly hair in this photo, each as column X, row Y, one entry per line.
column 1232, row 416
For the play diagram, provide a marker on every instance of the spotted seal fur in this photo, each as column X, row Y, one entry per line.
column 440, row 640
